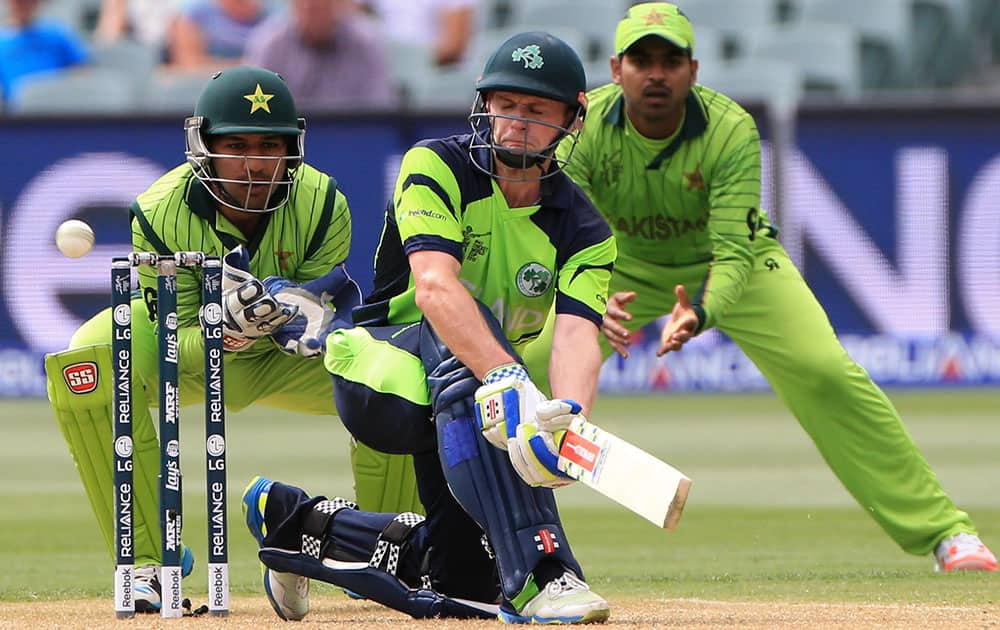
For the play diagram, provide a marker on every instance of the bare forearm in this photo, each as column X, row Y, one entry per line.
column 456, row 319
column 576, row 361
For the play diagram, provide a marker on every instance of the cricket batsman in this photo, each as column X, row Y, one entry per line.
column 245, row 194
column 483, row 236
column 675, row 169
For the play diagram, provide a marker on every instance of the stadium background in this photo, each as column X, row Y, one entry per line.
column 881, row 169
column 891, row 213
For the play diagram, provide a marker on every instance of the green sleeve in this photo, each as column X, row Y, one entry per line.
column 585, row 279
column 734, row 199
column 335, row 241
column 426, row 197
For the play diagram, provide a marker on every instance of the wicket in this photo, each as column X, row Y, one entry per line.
column 170, row 497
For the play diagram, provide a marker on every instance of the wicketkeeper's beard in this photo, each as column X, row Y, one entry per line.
column 252, row 197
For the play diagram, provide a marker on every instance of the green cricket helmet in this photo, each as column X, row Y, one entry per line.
column 245, row 100
column 539, row 64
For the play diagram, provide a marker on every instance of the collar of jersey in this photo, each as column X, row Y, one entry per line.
column 695, row 123
column 555, row 191
column 202, row 204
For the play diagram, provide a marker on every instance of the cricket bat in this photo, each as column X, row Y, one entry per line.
column 624, row 472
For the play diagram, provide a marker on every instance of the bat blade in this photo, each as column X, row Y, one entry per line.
column 624, row 472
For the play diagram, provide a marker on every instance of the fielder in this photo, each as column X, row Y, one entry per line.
column 290, row 223
column 484, row 235
column 675, row 169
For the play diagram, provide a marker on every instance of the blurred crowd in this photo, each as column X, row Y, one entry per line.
column 116, row 57
column 333, row 53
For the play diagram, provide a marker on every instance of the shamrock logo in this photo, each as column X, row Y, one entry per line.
column 530, row 55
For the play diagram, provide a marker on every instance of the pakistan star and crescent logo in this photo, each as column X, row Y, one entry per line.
column 655, row 17
column 530, row 55
column 695, row 180
column 258, row 100
column 533, row 279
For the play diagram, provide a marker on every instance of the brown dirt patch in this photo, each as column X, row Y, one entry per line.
column 334, row 611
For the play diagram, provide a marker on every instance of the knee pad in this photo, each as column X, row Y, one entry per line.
column 379, row 556
column 447, row 378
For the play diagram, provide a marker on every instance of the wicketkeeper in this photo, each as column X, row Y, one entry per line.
column 245, row 193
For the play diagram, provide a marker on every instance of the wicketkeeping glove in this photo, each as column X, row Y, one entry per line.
column 249, row 311
column 534, row 450
column 324, row 305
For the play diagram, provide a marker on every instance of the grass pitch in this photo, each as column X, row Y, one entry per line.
column 766, row 520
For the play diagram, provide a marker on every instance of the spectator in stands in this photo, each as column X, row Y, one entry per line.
column 444, row 26
column 211, row 34
column 329, row 54
column 145, row 21
column 31, row 47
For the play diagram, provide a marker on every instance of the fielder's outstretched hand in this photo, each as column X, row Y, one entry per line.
column 682, row 325
column 249, row 311
column 324, row 304
column 614, row 331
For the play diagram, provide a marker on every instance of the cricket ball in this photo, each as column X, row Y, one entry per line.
column 74, row 238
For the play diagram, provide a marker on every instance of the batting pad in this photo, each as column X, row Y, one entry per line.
column 522, row 523
column 80, row 390
column 377, row 556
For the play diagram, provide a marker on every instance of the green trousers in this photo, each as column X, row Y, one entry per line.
column 781, row 327
column 382, row 483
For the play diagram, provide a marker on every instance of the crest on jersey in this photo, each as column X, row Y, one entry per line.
column 530, row 55
column 533, row 279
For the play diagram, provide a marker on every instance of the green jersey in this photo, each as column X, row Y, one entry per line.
column 690, row 199
column 517, row 261
column 302, row 240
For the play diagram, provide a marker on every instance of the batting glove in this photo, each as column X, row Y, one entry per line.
column 506, row 398
column 324, row 305
column 249, row 311
column 534, row 449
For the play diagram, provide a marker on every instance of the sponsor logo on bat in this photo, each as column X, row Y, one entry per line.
column 580, row 451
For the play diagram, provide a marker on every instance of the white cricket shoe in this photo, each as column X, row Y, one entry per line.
column 287, row 592
column 964, row 552
column 146, row 588
column 147, row 582
column 566, row 599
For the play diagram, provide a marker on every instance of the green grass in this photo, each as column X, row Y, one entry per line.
column 766, row 520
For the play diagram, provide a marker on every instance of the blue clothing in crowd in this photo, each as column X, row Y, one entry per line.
column 40, row 47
